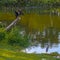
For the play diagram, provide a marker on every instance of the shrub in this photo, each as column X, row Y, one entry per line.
column 16, row 39
column 2, row 33
column 54, row 54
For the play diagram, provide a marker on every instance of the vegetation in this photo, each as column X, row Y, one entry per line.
column 2, row 34
column 12, row 55
column 36, row 21
column 11, row 5
column 14, row 38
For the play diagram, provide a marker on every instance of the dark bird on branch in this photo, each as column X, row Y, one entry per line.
column 18, row 13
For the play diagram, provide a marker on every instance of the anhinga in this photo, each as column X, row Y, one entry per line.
column 18, row 12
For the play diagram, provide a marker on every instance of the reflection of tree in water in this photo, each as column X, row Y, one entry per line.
column 48, row 37
column 51, row 37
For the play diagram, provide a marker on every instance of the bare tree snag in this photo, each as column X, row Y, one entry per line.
column 15, row 21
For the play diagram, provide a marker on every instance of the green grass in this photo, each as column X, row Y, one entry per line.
column 13, row 55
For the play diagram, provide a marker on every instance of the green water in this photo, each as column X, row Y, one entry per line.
column 40, row 22
column 44, row 27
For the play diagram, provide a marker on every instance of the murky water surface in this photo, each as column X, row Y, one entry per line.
column 45, row 29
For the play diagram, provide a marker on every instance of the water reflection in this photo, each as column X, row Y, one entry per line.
column 43, row 30
column 49, row 36
column 40, row 40
column 38, row 49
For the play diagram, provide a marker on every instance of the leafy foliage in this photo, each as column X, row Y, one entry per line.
column 54, row 54
column 2, row 34
column 14, row 38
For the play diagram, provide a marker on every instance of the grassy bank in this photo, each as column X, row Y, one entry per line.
column 12, row 55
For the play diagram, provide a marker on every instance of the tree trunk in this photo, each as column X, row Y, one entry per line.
column 9, row 26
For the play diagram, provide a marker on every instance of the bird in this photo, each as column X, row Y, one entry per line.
column 18, row 12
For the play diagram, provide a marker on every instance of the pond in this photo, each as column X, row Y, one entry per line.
column 43, row 29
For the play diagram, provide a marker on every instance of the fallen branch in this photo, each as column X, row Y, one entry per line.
column 15, row 21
